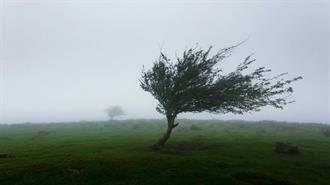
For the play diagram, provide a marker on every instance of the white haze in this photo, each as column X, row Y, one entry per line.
column 69, row 60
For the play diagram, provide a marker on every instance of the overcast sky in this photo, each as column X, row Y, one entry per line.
column 69, row 60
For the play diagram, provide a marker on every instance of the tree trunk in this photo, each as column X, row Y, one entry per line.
column 166, row 136
column 170, row 125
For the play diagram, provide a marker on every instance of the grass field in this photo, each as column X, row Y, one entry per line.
column 198, row 153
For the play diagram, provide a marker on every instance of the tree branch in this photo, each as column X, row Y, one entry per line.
column 175, row 125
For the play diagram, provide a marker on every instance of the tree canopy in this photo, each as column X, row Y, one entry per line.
column 196, row 83
column 114, row 111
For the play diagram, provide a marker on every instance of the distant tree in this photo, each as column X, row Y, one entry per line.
column 114, row 111
column 194, row 83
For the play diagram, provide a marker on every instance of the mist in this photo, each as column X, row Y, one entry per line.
column 69, row 61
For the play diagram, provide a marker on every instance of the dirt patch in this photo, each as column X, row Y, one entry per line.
column 286, row 148
column 258, row 179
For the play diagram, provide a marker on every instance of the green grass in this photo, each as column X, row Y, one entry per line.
column 198, row 153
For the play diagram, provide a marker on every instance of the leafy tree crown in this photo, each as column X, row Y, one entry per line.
column 114, row 111
column 194, row 83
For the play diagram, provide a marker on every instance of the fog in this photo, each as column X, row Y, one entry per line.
column 68, row 61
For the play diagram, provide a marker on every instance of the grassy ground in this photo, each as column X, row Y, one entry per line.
column 199, row 153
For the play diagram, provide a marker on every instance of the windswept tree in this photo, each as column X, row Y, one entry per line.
column 114, row 111
column 195, row 83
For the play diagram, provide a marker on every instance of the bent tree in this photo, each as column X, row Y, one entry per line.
column 195, row 83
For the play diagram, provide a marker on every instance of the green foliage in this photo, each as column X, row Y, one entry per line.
column 194, row 83
column 114, row 111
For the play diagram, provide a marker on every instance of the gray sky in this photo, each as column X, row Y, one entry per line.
column 68, row 61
